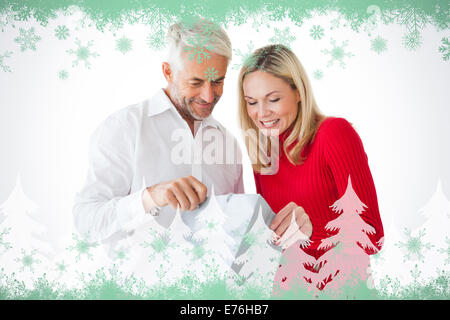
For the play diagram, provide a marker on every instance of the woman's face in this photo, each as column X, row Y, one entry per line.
column 271, row 102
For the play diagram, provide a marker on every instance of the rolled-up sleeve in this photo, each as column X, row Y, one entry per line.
column 105, row 205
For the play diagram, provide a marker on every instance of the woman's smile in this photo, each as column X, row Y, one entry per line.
column 269, row 124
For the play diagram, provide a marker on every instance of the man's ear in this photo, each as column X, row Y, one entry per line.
column 167, row 72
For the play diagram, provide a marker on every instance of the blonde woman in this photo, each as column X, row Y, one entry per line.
column 316, row 155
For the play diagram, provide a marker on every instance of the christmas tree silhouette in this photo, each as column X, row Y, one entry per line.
column 435, row 232
column 219, row 247
column 181, row 254
column 388, row 262
column 22, row 237
column 212, row 219
column 346, row 261
column 295, row 264
column 258, row 264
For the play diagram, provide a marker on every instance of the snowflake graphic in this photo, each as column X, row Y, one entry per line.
column 61, row 267
column 412, row 41
column 337, row 53
column 260, row 21
column 156, row 40
column 250, row 238
column 378, row 45
column 415, row 20
column 316, row 32
column 374, row 13
column 254, row 239
column 121, row 254
column 211, row 74
column 27, row 260
column 62, row 32
column 7, row 18
column 82, row 53
column 208, row 28
column 160, row 243
column 240, row 280
column 3, row 243
column 318, row 74
column 82, row 247
column 3, row 66
column 124, row 44
column 441, row 22
column 63, row 74
column 247, row 57
column 378, row 257
column 198, row 250
column 415, row 274
column 161, row 272
column 445, row 49
column 446, row 251
column 27, row 39
column 414, row 245
column 282, row 37
column 442, row 281
column 336, row 22
column 197, row 47
column 189, row 22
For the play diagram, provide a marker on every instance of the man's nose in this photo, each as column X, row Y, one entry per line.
column 207, row 93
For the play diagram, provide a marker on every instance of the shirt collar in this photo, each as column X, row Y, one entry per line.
column 161, row 103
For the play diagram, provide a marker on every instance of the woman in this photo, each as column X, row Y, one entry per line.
column 317, row 154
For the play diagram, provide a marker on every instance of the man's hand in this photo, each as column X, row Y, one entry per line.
column 186, row 193
column 289, row 229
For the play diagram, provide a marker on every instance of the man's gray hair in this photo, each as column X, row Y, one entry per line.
column 201, row 34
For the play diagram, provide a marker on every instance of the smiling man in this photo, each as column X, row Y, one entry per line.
column 133, row 176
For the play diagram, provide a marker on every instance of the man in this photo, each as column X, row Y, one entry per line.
column 135, row 175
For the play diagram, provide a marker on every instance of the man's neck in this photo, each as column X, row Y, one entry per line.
column 185, row 115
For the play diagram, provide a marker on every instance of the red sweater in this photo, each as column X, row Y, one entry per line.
column 336, row 152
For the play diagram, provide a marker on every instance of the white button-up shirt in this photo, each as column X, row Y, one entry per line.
column 142, row 145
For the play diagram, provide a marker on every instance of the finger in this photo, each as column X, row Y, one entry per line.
column 307, row 228
column 199, row 188
column 292, row 227
column 181, row 197
column 171, row 199
column 296, row 235
column 304, row 222
column 282, row 214
column 284, row 225
column 274, row 237
column 302, row 218
column 190, row 194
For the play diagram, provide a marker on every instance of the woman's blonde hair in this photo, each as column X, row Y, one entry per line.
column 281, row 62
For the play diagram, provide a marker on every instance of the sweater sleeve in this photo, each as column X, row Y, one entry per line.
column 345, row 156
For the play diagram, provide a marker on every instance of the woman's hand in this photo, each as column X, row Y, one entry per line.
column 290, row 225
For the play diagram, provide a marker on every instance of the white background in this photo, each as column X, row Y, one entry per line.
column 396, row 100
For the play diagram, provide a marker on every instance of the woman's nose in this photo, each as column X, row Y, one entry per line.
column 263, row 111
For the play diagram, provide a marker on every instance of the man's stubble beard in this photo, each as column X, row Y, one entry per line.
column 184, row 107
